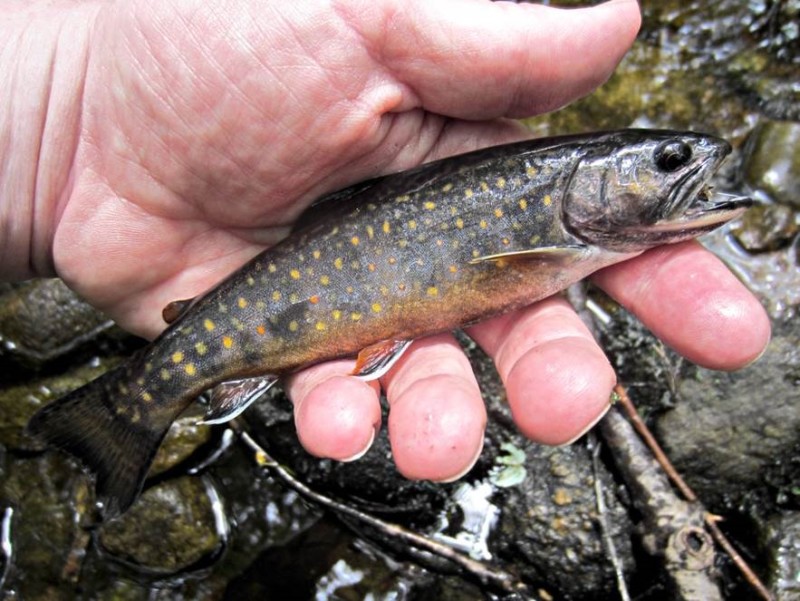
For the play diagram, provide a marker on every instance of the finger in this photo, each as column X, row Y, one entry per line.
column 477, row 60
column 557, row 379
column 336, row 415
column 437, row 417
column 691, row 301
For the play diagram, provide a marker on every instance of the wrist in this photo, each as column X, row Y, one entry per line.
column 44, row 50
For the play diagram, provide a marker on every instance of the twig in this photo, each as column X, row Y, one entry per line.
column 602, row 516
column 709, row 519
column 484, row 573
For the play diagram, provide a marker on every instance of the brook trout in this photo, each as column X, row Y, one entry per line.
column 389, row 260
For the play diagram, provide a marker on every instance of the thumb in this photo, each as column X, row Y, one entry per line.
column 474, row 59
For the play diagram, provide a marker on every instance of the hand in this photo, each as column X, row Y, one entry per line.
column 207, row 128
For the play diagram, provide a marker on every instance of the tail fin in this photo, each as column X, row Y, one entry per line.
column 112, row 433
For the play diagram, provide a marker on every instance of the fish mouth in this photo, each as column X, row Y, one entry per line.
column 706, row 213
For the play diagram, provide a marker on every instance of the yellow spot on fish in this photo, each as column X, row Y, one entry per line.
column 376, row 308
column 177, row 357
column 447, row 187
column 338, row 263
column 355, row 316
column 392, row 260
column 261, row 329
column 189, row 369
column 412, row 224
column 314, row 299
column 201, row 348
column 483, row 224
column 547, row 200
column 535, row 239
column 271, row 268
column 501, row 183
column 140, row 381
column 386, row 227
column 250, row 281
column 403, row 198
column 401, row 286
column 429, row 205
column 261, row 305
column 468, row 193
column 321, row 326
column 276, row 296
column 384, row 290
column 295, row 274
column 506, row 241
column 523, row 204
column 147, row 397
column 293, row 326
column 476, row 253
column 460, row 223
column 453, row 269
column 501, row 263
column 530, row 171
column 316, row 254
column 337, row 315
column 370, row 232
column 209, row 325
column 433, row 291
column 227, row 341
column 484, row 186
column 371, row 266
column 354, row 241
column 349, row 290
column 165, row 374
column 402, row 243
column 242, row 302
column 324, row 280
column 293, row 298
column 498, row 212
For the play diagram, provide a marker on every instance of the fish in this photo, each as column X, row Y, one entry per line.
column 377, row 265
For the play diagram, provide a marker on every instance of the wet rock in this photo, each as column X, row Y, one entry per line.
column 782, row 539
column 735, row 435
column 772, row 161
column 41, row 320
column 18, row 403
column 173, row 527
column 46, row 560
column 184, row 437
column 766, row 228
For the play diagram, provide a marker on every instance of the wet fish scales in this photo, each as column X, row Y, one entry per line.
column 414, row 253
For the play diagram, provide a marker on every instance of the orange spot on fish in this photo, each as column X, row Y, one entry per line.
column 261, row 329
column 314, row 300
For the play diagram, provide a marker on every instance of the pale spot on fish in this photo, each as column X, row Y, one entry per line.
column 412, row 224
column 386, row 227
column 316, row 254
column 338, row 263
column 483, row 224
column 276, row 295
column 209, row 325
column 460, row 223
column 201, row 348
column 370, row 232
column 324, row 280
column 250, row 281
column 468, row 193
column 523, row 204
column 165, row 374
column 530, row 171
column 501, row 183
column 147, row 397
column 447, row 187
column 293, row 326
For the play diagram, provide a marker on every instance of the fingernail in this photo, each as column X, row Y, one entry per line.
column 591, row 425
column 466, row 469
column 363, row 451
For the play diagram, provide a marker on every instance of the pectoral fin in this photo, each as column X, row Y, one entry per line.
column 544, row 253
column 376, row 359
column 229, row 399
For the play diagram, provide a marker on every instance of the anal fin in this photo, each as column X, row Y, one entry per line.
column 229, row 399
column 375, row 360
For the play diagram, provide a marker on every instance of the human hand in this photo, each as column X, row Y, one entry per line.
column 207, row 128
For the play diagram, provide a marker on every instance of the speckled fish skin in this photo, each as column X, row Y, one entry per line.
column 419, row 252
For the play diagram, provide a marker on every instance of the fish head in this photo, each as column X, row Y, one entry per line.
column 636, row 189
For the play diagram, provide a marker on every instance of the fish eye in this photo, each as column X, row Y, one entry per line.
column 672, row 155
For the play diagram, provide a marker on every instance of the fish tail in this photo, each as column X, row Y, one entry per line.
column 109, row 430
